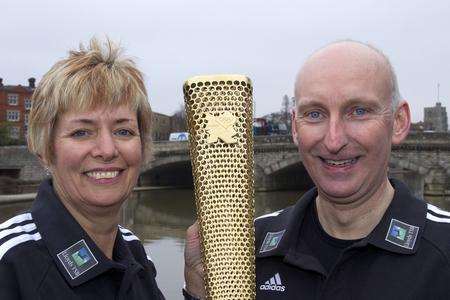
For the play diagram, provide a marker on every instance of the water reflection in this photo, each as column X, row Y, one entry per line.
column 10, row 210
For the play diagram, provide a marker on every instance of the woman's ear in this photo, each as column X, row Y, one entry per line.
column 402, row 123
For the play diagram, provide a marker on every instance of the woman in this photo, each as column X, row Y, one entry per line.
column 90, row 128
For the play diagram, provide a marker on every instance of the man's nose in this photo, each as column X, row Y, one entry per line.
column 105, row 146
column 336, row 136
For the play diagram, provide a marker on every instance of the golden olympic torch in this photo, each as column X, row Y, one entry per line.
column 219, row 111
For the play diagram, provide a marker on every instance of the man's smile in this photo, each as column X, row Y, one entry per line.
column 340, row 162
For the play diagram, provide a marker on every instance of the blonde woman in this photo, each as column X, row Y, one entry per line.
column 89, row 126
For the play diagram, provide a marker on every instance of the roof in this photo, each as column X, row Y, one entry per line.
column 16, row 88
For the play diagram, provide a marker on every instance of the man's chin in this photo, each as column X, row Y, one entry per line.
column 341, row 194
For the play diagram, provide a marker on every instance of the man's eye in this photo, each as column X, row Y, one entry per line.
column 314, row 115
column 359, row 111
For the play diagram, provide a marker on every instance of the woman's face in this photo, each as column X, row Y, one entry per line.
column 97, row 158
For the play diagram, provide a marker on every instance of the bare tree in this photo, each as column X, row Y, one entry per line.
column 286, row 106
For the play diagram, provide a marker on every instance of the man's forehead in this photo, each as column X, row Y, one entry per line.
column 341, row 61
column 344, row 55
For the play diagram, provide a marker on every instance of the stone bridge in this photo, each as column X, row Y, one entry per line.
column 422, row 161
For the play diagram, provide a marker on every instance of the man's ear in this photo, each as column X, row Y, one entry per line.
column 294, row 127
column 402, row 123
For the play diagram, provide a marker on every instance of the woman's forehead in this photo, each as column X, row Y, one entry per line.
column 100, row 113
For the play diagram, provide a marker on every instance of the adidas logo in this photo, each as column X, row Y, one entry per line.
column 273, row 284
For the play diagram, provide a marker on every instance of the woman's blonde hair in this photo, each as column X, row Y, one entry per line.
column 88, row 78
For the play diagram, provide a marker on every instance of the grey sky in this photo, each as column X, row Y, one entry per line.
column 172, row 40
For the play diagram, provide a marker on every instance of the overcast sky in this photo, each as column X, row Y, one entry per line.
column 172, row 40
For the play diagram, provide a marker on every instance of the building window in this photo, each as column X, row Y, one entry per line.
column 25, row 130
column 12, row 115
column 27, row 104
column 25, row 119
column 13, row 99
column 14, row 132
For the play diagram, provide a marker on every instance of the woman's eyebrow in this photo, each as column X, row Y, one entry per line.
column 82, row 121
column 92, row 121
column 123, row 120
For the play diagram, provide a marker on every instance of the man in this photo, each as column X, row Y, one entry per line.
column 357, row 235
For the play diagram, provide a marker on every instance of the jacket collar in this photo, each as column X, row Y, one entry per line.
column 399, row 230
column 289, row 225
column 402, row 225
column 75, row 254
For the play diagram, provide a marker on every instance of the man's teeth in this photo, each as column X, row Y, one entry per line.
column 102, row 175
column 340, row 162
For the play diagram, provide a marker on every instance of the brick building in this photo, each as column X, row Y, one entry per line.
column 161, row 126
column 15, row 104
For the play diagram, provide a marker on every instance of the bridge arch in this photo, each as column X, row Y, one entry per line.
column 410, row 172
column 168, row 172
column 287, row 173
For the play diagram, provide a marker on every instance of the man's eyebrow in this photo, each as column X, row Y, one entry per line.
column 303, row 104
column 366, row 101
column 307, row 103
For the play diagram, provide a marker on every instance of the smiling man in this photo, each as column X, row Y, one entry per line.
column 358, row 234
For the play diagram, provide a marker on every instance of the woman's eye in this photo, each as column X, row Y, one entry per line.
column 79, row 133
column 124, row 132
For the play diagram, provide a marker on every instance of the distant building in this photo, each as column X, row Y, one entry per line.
column 15, row 105
column 435, row 118
column 164, row 125
column 161, row 126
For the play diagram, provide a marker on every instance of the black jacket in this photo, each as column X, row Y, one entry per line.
column 45, row 254
column 407, row 256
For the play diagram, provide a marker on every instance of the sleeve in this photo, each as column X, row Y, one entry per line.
column 9, row 288
column 153, row 272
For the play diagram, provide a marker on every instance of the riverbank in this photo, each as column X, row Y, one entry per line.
column 28, row 197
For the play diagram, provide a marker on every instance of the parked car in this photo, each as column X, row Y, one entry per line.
column 178, row 136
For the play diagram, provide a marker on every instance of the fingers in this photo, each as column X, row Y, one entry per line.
column 193, row 269
column 193, row 231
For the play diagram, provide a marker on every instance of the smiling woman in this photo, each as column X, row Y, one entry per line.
column 90, row 127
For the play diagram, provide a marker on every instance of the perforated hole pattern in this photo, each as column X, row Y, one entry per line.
column 223, row 183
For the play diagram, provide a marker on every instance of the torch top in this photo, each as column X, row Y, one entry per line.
column 218, row 78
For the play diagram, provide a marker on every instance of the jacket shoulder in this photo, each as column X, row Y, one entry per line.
column 23, row 258
column 19, row 234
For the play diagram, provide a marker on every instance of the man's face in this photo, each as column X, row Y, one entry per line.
column 343, row 125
